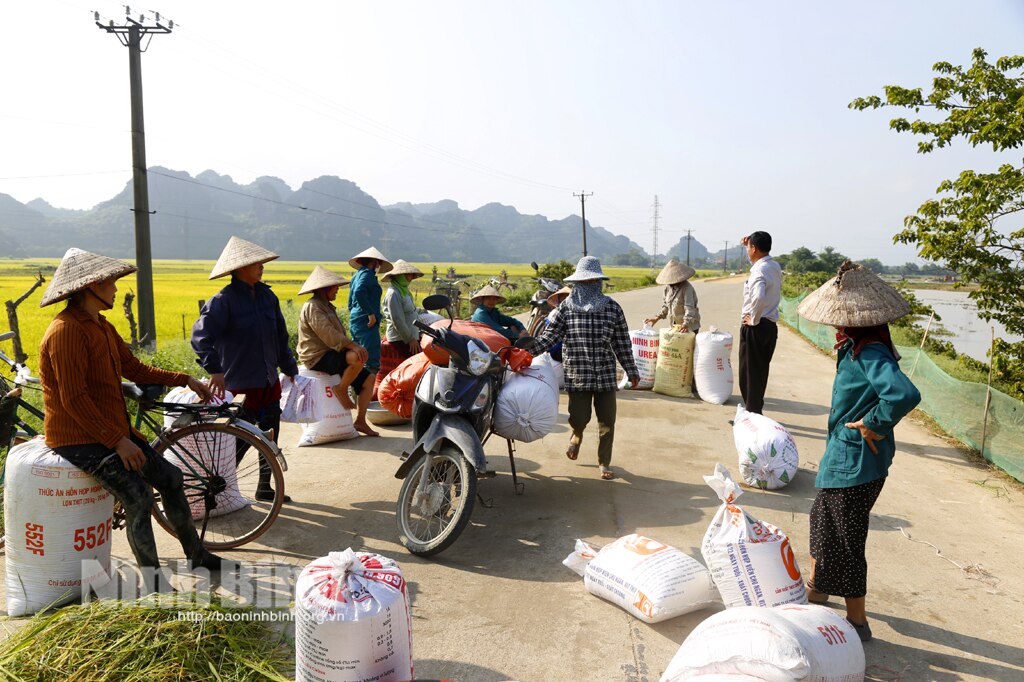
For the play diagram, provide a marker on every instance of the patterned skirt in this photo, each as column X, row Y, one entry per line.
column 839, row 535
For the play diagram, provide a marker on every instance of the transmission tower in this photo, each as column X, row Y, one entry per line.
column 654, row 230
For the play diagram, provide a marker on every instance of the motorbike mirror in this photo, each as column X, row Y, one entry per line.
column 533, row 264
column 437, row 302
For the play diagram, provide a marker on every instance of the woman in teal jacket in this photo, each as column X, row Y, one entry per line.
column 364, row 303
column 870, row 395
column 487, row 301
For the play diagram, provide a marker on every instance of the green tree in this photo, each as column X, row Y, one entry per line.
column 800, row 260
column 829, row 260
column 873, row 264
column 974, row 224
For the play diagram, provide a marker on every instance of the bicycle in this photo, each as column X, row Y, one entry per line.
column 209, row 443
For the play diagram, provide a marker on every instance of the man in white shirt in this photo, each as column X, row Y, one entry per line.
column 759, row 330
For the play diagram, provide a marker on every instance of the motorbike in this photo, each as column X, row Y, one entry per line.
column 539, row 307
column 451, row 419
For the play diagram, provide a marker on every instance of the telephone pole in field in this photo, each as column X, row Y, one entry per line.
column 583, row 209
column 725, row 258
column 654, row 253
column 130, row 34
column 688, row 238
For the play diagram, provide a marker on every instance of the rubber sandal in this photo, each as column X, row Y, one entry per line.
column 573, row 451
column 607, row 474
column 863, row 630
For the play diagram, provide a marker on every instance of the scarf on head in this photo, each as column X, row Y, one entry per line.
column 401, row 283
column 586, row 297
column 862, row 336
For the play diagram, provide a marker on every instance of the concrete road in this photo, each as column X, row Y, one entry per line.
column 945, row 584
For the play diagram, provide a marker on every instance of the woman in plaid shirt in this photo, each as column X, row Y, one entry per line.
column 593, row 332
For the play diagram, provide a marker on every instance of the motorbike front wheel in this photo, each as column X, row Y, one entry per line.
column 432, row 512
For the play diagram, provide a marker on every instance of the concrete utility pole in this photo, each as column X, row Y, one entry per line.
column 725, row 258
column 654, row 254
column 130, row 35
column 688, row 238
column 583, row 209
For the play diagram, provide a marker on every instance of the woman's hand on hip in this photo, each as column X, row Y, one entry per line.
column 131, row 454
column 869, row 436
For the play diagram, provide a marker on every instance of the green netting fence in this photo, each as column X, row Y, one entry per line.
column 956, row 406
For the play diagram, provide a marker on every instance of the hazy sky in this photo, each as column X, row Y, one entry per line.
column 733, row 113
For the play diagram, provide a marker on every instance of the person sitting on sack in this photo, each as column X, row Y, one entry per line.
column 325, row 347
column 487, row 300
column 81, row 362
column 241, row 339
column 679, row 298
column 402, row 338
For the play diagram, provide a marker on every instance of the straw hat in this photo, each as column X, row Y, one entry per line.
column 402, row 268
column 855, row 297
column 78, row 269
column 675, row 272
column 487, row 291
column 553, row 298
column 589, row 268
column 239, row 253
column 372, row 252
column 321, row 278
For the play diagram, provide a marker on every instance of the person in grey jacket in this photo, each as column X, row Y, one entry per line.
column 401, row 337
column 680, row 304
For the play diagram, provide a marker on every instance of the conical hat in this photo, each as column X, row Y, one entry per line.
column 78, row 269
column 856, row 297
column 372, row 252
column 553, row 298
column 402, row 268
column 675, row 272
column 321, row 278
column 487, row 291
column 239, row 253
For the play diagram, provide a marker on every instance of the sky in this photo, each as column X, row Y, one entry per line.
column 733, row 113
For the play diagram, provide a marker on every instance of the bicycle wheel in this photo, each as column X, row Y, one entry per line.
column 231, row 477
column 429, row 522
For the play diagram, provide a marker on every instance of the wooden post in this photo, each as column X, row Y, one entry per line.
column 988, row 393
column 12, row 318
column 921, row 350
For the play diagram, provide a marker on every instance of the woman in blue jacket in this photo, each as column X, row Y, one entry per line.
column 870, row 395
column 487, row 300
column 364, row 303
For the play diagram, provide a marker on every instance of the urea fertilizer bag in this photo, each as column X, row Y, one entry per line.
column 673, row 373
column 645, row 343
column 352, row 620
column 335, row 421
column 712, row 365
column 56, row 516
column 750, row 561
column 652, row 581
column 781, row 644
column 767, row 452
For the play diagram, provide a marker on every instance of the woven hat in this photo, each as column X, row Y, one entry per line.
column 856, row 297
column 78, row 269
column 321, row 278
column 372, row 252
column 675, row 272
column 402, row 268
column 589, row 268
column 487, row 291
column 553, row 298
column 239, row 253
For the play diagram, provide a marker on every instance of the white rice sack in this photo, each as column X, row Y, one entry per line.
column 335, row 422
column 751, row 561
column 712, row 365
column 56, row 516
column 652, row 581
column 673, row 374
column 781, row 644
column 299, row 403
column 767, row 452
column 352, row 620
column 527, row 405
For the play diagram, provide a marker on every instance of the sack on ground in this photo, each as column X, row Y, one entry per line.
column 767, row 452
column 352, row 620
column 55, row 517
column 781, row 644
column 216, row 452
column 750, row 561
column 299, row 402
column 335, row 421
column 673, row 374
column 398, row 389
column 527, row 405
column 652, row 581
column 712, row 365
column 645, row 355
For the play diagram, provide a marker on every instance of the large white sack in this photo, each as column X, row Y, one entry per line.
column 335, row 422
column 767, row 452
column 352, row 620
column 750, row 561
column 781, row 644
column 56, row 516
column 556, row 368
column 299, row 399
column 645, row 343
column 673, row 374
column 652, row 581
column 218, row 453
column 527, row 405
column 712, row 365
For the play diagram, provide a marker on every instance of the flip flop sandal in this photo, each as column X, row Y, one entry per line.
column 607, row 474
column 816, row 597
column 573, row 451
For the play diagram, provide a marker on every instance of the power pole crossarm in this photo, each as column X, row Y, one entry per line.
column 583, row 210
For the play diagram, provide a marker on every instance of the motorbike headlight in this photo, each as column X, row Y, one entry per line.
column 479, row 358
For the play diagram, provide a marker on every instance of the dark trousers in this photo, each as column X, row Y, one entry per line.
column 604, row 407
column 757, row 346
column 132, row 490
column 266, row 418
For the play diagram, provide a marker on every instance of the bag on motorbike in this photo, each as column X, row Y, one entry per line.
column 335, row 421
column 494, row 340
column 527, row 405
column 645, row 355
column 556, row 368
column 399, row 386
column 673, row 374
column 712, row 365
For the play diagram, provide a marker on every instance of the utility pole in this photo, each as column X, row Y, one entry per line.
column 130, row 35
column 583, row 209
column 725, row 258
column 654, row 254
column 688, row 238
